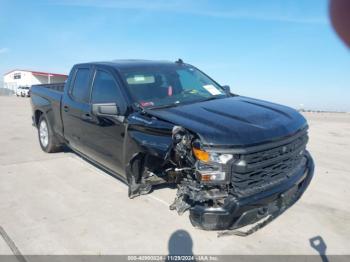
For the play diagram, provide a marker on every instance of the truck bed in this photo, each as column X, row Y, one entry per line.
column 57, row 86
column 47, row 99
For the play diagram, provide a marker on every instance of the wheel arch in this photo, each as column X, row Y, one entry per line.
column 37, row 114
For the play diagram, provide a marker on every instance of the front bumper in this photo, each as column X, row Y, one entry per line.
column 236, row 213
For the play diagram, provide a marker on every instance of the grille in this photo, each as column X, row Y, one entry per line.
column 258, row 171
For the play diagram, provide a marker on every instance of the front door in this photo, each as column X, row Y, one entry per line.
column 105, row 134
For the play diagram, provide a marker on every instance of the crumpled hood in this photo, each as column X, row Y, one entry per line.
column 235, row 121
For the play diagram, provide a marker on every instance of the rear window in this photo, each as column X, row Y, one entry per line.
column 140, row 79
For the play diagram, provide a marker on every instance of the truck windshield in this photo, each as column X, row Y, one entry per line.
column 163, row 86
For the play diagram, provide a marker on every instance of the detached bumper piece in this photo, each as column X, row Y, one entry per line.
column 263, row 207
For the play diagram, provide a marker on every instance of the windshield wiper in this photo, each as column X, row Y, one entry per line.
column 165, row 106
column 184, row 103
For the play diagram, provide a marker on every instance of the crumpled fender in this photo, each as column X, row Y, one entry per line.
column 147, row 145
column 149, row 135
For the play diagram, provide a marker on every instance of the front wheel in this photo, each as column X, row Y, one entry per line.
column 47, row 139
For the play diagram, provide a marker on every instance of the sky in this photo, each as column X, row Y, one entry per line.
column 283, row 51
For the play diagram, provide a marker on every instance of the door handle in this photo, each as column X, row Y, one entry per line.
column 86, row 116
column 66, row 108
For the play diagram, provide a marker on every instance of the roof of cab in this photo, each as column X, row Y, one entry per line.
column 131, row 63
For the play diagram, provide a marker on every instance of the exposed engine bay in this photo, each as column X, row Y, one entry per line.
column 183, row 166
column 200, row 183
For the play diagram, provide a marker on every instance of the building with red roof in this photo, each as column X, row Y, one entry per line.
column 18, row 78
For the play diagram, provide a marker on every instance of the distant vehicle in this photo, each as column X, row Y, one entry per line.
column 23, row 91
column 236, row 160
column 18, row 91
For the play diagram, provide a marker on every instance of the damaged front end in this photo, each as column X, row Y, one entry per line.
column 233, row 188
column 161, row 153
column 204, row 180
column 223, row 189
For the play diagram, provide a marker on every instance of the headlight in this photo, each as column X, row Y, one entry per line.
column 210, row 167
column 220, row 158
column 210, row 172
column 211, row 157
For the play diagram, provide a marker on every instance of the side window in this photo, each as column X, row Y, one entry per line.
column 105, row 89
column 81, row 91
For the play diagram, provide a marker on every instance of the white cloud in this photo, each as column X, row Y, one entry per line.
column 4, row 50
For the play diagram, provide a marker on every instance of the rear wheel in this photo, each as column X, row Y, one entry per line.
column 47, row 139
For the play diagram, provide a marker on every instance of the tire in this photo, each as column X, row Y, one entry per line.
column 47, row 138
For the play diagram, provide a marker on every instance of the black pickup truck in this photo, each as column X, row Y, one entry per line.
column 236, row 160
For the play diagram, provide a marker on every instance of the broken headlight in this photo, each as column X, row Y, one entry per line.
column 220, row 158
column 205, row 156
column 210, row 167
column 210, row 173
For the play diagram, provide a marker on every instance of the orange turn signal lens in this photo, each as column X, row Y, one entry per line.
column 205, row 178
column 200, row 154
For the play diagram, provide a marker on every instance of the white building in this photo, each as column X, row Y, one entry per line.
column 17, row 78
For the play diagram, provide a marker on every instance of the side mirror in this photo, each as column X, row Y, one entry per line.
column 108, row 109
column 227, row 89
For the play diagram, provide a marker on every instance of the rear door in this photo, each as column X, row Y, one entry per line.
column 76, row 108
